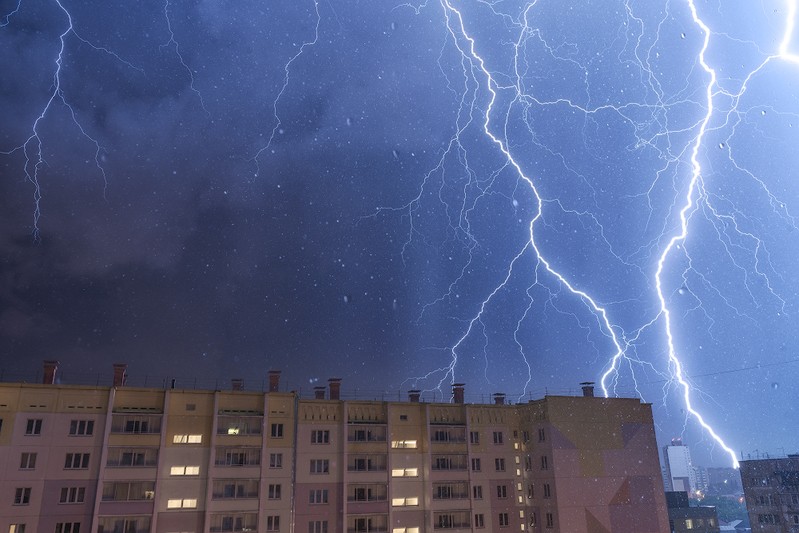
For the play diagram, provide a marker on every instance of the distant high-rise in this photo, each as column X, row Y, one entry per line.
column 679, row 474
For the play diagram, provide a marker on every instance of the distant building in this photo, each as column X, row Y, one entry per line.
column 686, row 519
column 679, row 474
column 120, row 459
column 724, row 481
column 771, row 488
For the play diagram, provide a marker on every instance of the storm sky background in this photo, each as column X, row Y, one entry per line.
column 230, row 187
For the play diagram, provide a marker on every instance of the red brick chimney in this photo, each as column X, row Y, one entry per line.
column 120, row 374
column 274, row 380
column 50, row 369
column 413, row 395
column 335, row 388
column 457, row 392
column 237, row 383
column 499, row 398
column 319, row 392
column 588, row 388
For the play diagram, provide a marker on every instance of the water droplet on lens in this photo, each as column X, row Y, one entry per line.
column 775, row 385
column 682, row 35
column 349, row 121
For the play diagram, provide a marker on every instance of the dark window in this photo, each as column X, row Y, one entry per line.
column 34, row 426
column 277, row 432
column 81, row 427
column 22, row 496
column 27, row 461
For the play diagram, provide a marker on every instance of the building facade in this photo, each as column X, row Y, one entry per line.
column 771, row 489
column 132, row 460
column 679, row 474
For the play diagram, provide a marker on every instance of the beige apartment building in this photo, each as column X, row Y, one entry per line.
column 77, row 459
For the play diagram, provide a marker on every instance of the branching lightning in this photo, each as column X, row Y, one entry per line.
column 695, row 201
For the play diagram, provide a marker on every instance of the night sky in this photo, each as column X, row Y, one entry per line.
column 347, row 189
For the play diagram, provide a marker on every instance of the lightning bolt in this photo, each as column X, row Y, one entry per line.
column 32, row 147
column 506, row 90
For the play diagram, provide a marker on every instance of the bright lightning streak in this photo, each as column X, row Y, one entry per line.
column 176, row 46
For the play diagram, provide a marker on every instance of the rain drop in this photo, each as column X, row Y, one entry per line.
column 346, row 298
column 682, row 290
column 515, row 202
column 721, row 146
column 775, row 385
column 395, row 154
column 682, row 35
column 393, row 25
column 349, row 121
column 763, row 113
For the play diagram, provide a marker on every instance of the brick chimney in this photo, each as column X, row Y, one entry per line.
column 335, row 388
column 50, row 369
column 274, row 380
column 120, row 374
column 588, row 388
column 319, row 392
column 499, row 398
column 457, row 392
column 237, row 383
column 413, row 395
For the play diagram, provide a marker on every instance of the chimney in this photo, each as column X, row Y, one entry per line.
column 237, row 383
column 120, row 374
column 319, row 392
column 335, row 388
column 457, row 392
column 413, row 395
column 50, row 368
column 274, row 380
column 499, row 398
column 588, row 388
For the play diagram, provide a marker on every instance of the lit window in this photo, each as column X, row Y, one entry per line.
column 404, row 472
column 185, row 503
column 187, row 439
column 16, row 528
column 403, row 444
column 184, row 470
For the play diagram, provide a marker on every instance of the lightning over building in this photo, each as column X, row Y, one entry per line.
column 518, row 195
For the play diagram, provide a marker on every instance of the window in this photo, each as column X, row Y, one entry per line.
column 182, row 503
column 22, row 496
column 76, row 461
column 34, row 426
column 503, row 520
column 499, row 465
column 147, row 424
column 123, row 524
column 498, row 439
column 72, row 495
column 371, row 433
column 320, row 436
column 184, row 470
column 528, row 463
column 530, row 491
column 187, row 439
column 128, row 491
column 274, row 492
column 404, row 472
column 320, row 466
column 317, row 496
column 451, row 491
column 477, row 492
column 227, row 489
column 451, row 520
column 366, row 463
column 403, row 417
column 81, row 427
column 403, row 444
column 550, row 520
column 475, row 464
column 16, row 528
column 367, row 493
column 479, row 520
column 502, row 491
column 449, row 462
column 70, row 527
column 273, row 523
column 239, row 425
column 277, row 433
column 547, row 491
column 234, row 522
column 474, row 437
column 317, row 526
column 404, row 502
column 275, row 460
column 526, row 436
column 542, row 436
column 129, row 457
column 27, row 461
column 544, row 463
column 367, row 524
column 238, row 456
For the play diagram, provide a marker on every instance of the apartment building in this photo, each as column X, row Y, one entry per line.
column 121, row 459
column 771, row 489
